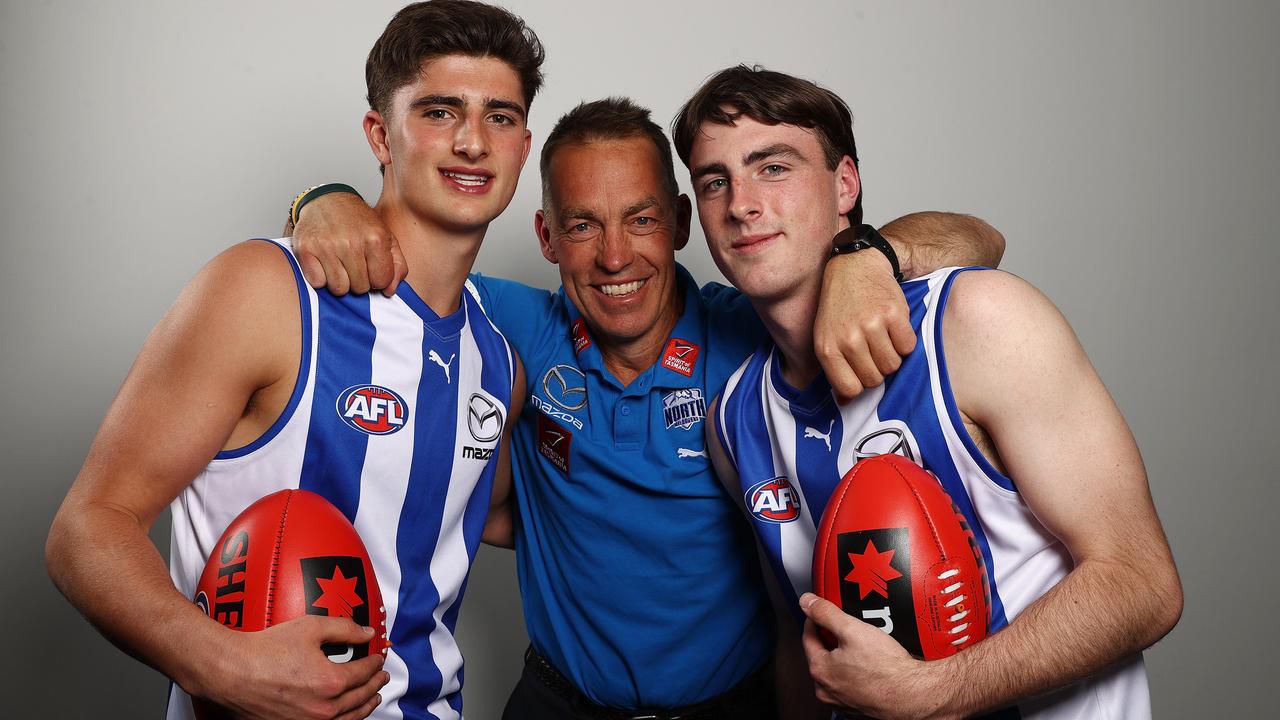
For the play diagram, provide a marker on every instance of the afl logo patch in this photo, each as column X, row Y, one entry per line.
column 372, row 409
column 773, row 501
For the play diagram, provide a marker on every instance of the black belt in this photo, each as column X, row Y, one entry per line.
column 752, row 695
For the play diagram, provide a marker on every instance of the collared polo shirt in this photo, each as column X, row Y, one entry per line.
column 638, row 573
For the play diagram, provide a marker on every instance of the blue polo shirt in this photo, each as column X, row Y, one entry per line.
column 637, row 571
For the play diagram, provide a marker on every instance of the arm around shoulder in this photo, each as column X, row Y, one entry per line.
column 931, row 240
column 863, row 327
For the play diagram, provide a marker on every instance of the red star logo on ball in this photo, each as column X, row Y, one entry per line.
column 338, row 594
column 872, row 570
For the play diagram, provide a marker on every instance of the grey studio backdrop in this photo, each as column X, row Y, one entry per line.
column 1128, row 152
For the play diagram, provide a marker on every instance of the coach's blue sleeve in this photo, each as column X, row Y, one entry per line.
column 522, row 313
column 729, row 309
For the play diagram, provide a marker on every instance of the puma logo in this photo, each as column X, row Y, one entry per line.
column 687, row 453
column 434, row 357
column 819, row 435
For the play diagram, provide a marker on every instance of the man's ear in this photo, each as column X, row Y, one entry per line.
column 848, row 185
column 543, row 230
column 684, row 214
column 528, row 142
column 375, row 131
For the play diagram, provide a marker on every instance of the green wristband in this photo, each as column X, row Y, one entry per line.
column 307, row 196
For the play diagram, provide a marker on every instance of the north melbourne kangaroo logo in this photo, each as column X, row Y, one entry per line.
column 819, row 435
column 434, row 357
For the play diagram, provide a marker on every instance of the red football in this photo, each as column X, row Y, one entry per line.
column 290, row 554
column 895, row 551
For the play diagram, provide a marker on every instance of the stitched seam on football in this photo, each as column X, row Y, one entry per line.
column 275, row 561
column 924, row 512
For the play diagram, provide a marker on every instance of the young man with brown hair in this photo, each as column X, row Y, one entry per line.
column 248, row 386
column 1011, row 419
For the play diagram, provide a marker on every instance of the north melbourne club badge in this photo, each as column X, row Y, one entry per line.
column 683, row 408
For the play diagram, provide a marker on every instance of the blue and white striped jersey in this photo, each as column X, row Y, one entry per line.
column 395, row 416
column 772, row 430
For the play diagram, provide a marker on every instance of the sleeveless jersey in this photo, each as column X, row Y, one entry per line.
column 394, row 417
column 769, row 429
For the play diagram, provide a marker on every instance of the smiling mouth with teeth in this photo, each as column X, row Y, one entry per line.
column 467, row 180
column 622, row 289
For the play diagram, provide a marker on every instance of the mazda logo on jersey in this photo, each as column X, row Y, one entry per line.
column 372, row 409
column 892, row 439
column 566, row 386
column 334, row 586
column 484, row 418
column 773, row 501
column 875, row 582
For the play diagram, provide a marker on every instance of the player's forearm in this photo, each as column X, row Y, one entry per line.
column 1100, row 613
column 928, row 241
column 101, row 559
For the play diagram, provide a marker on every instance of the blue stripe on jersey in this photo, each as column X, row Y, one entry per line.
column 953, row 411
column 495, row 380
column 817, row 466
column 747, row 398
column 304, row 365
column 423, row 510
column 498, row 384
column 334, row 458
column 905, row 392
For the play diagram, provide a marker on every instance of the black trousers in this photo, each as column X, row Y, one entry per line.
column 533, row 699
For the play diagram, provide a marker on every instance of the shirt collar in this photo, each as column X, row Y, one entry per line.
column 683, row 355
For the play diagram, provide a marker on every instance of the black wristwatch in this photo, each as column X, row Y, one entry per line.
column 860, row 237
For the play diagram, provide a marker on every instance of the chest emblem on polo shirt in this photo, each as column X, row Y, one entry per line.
column 581, row 338
column 554, row 442
column 680, row 356
column 683, row 408
column 566, row 386
column 372, row 409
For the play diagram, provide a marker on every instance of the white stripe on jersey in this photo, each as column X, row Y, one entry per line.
column 384, row 480
column 797, row 536
column 449, row 563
